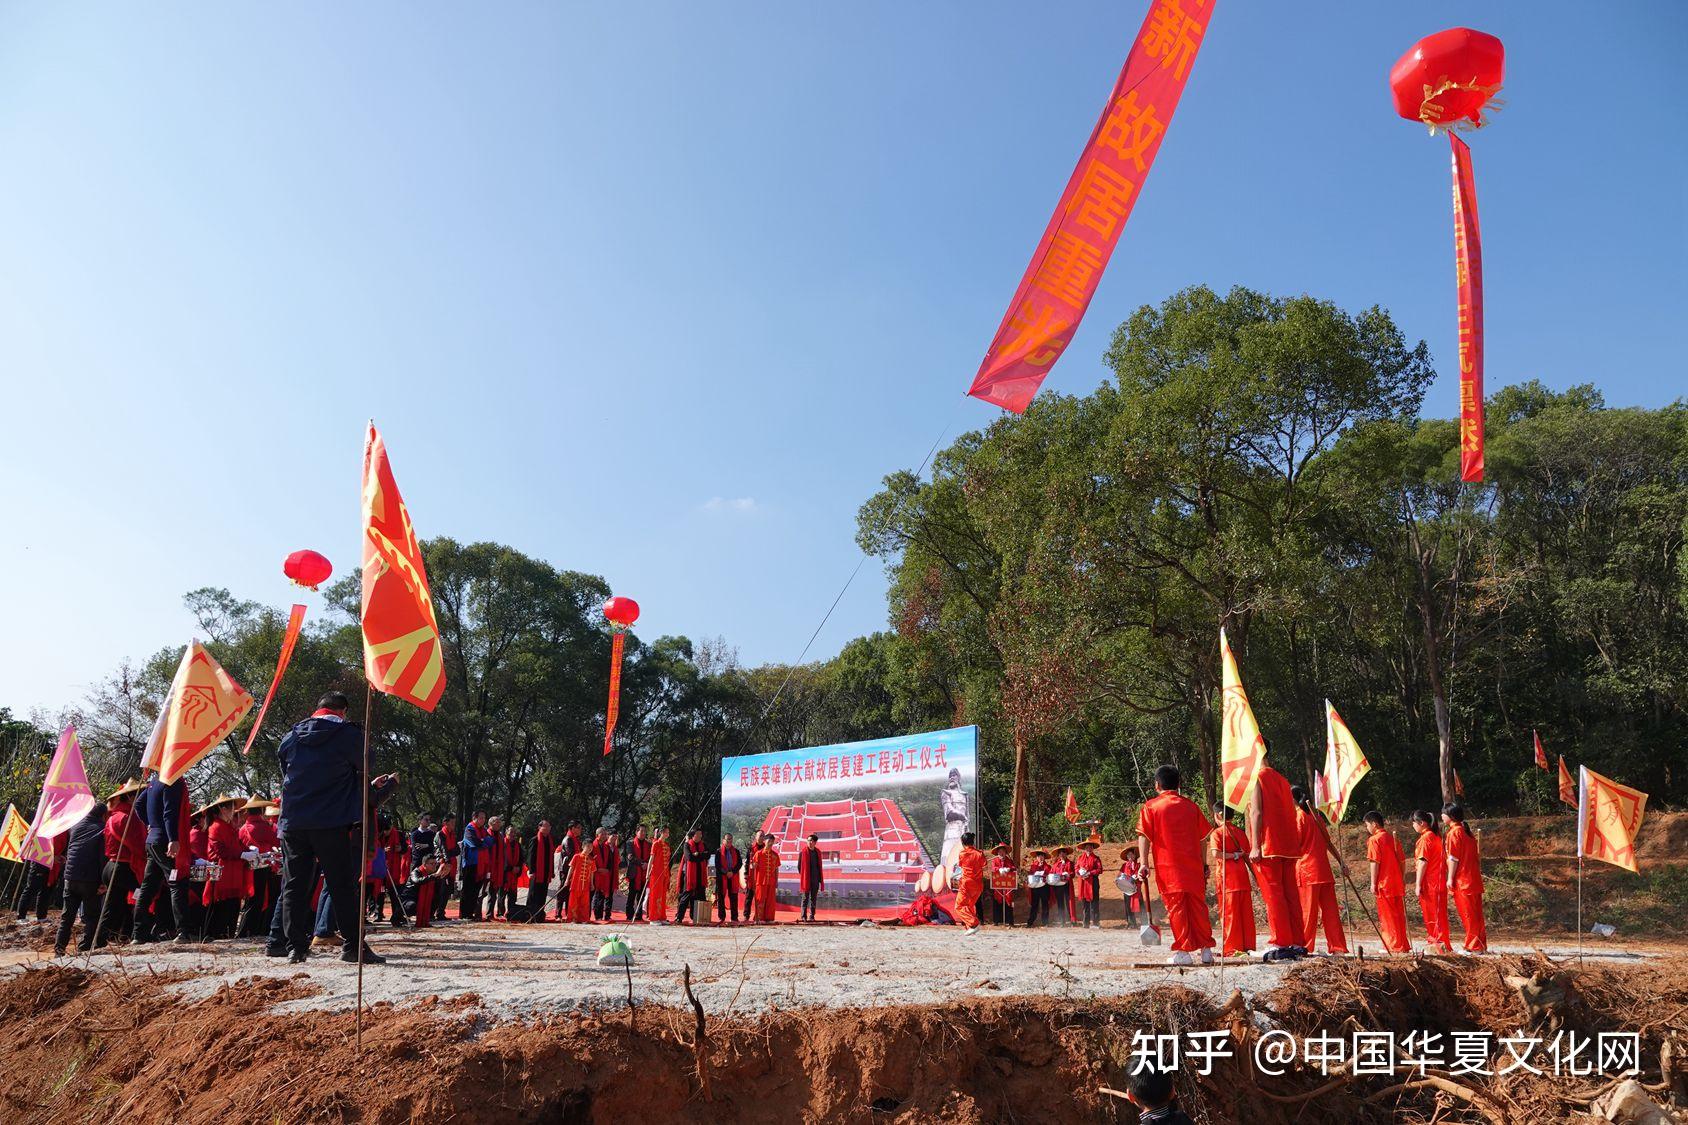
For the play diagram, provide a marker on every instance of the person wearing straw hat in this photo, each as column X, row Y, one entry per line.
column 234, row 879
column 1037, row 880
column 1087, row 885
column 259, row 840
column 1171, row 833
column 84, row 863
column 1061, row 885
column 125, row 853
column 1004, row 881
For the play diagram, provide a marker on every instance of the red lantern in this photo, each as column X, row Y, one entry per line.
column 621, row 612
column 307, row 569
column 1448, row 79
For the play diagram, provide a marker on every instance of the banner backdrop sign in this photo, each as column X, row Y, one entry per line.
column 885, row 811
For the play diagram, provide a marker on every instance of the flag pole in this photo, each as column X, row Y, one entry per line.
column 1579, row 906
column 363, row 848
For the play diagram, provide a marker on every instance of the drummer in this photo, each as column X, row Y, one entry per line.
column 1130, row 883
column 1061, row 886
column 1037, row 881
column 1004, row 882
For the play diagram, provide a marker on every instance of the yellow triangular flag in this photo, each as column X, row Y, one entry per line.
column 1242, row 752
column 1345, row 763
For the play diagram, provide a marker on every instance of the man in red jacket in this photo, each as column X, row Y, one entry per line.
column 1274, row 839
column 606, row 862
column 1171, row 835
column 811, row 877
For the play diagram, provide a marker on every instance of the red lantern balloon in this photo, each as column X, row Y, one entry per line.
column 1449, row 78
column 307, row 569
column 621, row 611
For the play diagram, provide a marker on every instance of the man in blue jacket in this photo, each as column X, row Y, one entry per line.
column 160, row 808
column 322, row 805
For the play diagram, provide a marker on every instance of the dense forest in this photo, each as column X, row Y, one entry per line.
column 1059, row 579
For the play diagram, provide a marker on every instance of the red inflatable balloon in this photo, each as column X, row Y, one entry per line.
column 621, row 611
column 1449, row 79
column 307, row 569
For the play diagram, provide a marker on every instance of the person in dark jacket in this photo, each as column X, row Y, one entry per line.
column 422, row 840
column 729, row 865
column 162, row 809
column 469, row 862
column 84, row 864
column 322, row 807
column 694, row 875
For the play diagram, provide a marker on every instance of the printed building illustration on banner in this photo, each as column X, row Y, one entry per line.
column 884, row 811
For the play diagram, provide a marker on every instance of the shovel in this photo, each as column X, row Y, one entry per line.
column 1150, row 933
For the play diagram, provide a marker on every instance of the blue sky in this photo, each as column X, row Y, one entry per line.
column 661, row 290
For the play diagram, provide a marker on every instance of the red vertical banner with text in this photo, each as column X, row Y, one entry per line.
column 1468, row 271
column 613, row 711
column 1067, row 266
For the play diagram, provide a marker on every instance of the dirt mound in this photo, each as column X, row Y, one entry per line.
column 104, row 1046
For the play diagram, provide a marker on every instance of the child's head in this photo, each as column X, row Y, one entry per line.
column 1168, row 779
column 1423, row 820
column 1374, row 820
column 1453, row 812
column 1149, row 1088
column 1131, row 853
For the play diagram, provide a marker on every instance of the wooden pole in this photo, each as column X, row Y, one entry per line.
column 1579, row 906
column 1018, row 825
column 363, row 850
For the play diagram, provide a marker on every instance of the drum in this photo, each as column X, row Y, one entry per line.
column 955, row 879
column 1035, row 880
column 940, row 878
column 923, row 883
column 1125, row 883
column 1056, row 879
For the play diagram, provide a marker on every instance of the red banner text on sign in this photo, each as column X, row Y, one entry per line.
column 1468, row 268
column 1081, row 236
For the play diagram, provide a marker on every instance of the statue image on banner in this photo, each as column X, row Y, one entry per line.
column 884, row 811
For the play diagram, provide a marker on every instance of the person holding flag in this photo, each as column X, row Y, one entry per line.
column 84, row 863
column 1383, row 852
column 1230, row 847
column 126, row 859
column 1465, row 876
column 1431, row 882
column 1316, row 881
column 1275, row 846
column 164, row 810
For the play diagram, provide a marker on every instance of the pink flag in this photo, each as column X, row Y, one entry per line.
column 66, row 795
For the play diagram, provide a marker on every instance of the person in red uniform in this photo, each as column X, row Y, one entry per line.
column 1171, row 830
column 1431, row 881
column 1131, row 866
column 604, row 863
column 1465, row 876
column 1236, row 901
column 1039, row 888
column 811, row 876
column 970, row 885
column 1315, row 881
column 1274, row 844
column 656, row 898
column 729, row 863
column 1384, row 853
column 1087, row 885
column 223, row 847
column 581, row 875
column 1061, row 886
column 767, row 879
column 1004, row 882
column 258, row 834
column 126, row 862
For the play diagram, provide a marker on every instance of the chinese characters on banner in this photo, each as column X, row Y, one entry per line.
column 1242, row 750
column 613, row 710
column 401, row 639
column 1608, row 817
column 1067, row 266
column 846, row 767
column 1468, row 271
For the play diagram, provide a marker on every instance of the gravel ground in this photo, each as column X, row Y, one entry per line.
column 533, row 969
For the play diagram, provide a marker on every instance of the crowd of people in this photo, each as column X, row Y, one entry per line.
column 143, row 866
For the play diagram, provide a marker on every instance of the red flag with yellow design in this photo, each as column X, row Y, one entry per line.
column 1071, row 810
column 1567, row 787
column 1608, row 817
column 401, row 638
column 204, row 706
